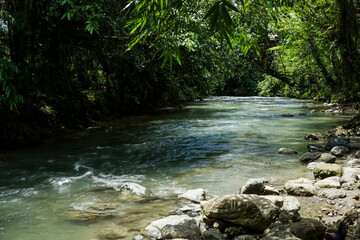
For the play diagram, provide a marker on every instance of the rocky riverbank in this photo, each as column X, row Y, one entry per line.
column 326, row 206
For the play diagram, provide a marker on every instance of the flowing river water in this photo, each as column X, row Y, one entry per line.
column 216, row 144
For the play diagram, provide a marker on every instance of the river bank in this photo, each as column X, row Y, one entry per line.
column 326, row 206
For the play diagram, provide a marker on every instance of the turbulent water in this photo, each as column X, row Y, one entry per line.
column 216, row 144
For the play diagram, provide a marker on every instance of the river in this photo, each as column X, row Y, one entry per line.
column 216, row 144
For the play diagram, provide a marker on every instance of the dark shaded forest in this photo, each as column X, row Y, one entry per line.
column 67, row 63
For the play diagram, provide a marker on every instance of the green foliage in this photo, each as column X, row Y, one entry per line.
column 86, row 59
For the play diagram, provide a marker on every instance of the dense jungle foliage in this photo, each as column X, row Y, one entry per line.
column 67, row 62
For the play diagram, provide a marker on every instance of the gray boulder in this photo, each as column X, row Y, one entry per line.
column 339, row 150
column 349, row 177
column 310, row 157
column 326, row 158
column 194, row 195
column 187, row 230
column 287, row 151
column 254, row 186
column 330, row 182
column 154, row 230
column 337, row 142
column 315, row 148
column 300, row 187
column 290, row 204
column 252, row 212
column 357, row 154
column 325, row 170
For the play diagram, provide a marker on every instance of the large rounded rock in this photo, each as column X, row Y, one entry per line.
column 330, row 182
column 357, row 154
column 194, row 195
column 254, row 186
column 310, row 157
column 326, row 158
column 300, row 187
column 339, row 150
column 325, row 170
column 249, row 211
column 287, row 151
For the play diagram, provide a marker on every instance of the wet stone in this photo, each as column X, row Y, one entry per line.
column 315, row 148
column 86, row 215
column 310, row 157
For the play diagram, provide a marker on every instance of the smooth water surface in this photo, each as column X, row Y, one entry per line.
column 216, row 144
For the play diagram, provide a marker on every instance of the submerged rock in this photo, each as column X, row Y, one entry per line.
column 287, row 151
column 249, row 211
column 300, row 187
column 112, row 231
column 195, row 195
column 104, row 206
column 325, row 170
column 86, row 215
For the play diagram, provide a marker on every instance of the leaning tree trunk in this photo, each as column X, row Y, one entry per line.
column 347, row 38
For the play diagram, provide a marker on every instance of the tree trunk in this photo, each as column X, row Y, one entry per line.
column 347, row 39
